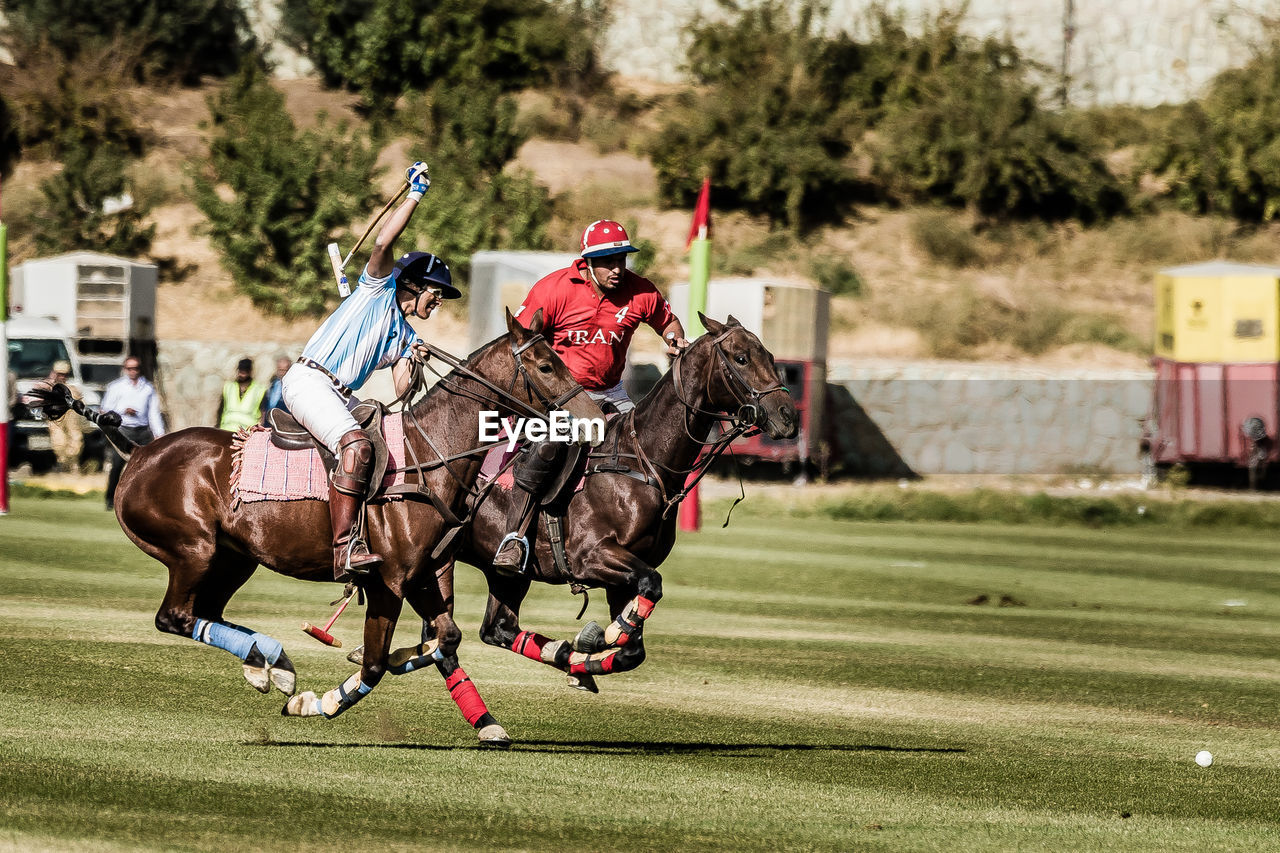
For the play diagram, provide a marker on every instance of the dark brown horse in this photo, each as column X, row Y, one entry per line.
column 622, row 524
column 175, row 502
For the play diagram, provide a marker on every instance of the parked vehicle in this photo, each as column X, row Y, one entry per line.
column 90, row 309
column 35, row 343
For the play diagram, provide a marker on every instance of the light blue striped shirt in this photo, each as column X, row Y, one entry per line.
column 365, row 333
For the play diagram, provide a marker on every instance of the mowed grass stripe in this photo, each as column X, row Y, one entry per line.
column 776, row 710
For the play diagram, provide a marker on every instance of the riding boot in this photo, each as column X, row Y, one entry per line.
column 533, row 471
column 510, row 558
column 352, row 560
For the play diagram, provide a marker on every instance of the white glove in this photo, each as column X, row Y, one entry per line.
column 418, row 180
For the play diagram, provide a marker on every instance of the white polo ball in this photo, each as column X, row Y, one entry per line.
column 1204, row 758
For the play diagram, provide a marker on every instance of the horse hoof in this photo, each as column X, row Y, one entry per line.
column 589, row 639
column 302, row 705
column 583, row 681
column 356, row 656
column 494, row 735
column 259, row 677
column 284, row 676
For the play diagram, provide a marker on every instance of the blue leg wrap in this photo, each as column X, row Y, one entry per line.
column 235, row 639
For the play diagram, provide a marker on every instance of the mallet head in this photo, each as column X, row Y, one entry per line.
column 321, row 634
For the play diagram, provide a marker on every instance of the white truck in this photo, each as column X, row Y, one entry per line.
column 88, row 308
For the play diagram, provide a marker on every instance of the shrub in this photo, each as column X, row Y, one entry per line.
column 173, row 38
column 1223, row 153
column 286, row 195
column 836, row 275
column 945, row 239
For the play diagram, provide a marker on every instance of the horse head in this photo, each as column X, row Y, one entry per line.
column 542, row 380
column 741, row 378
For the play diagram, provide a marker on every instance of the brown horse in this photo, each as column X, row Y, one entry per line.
column 175, row 502
column 622, row 524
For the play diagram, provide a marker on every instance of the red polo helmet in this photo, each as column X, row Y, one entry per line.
column 605, row 237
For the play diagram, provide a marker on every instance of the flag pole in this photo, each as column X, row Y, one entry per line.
column 699, row 247
column 5, row 390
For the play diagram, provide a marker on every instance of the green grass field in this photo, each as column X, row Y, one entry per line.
column 811, row 684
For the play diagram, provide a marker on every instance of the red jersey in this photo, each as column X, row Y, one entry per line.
column 590, row 332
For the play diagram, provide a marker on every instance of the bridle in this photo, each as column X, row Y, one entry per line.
column 749, row 417
column 550, row 404
column 750, row 412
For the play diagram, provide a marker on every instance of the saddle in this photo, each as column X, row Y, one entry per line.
column 288, row 434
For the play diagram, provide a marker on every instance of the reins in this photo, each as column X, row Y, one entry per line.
column 745, row 420
column 451, row 385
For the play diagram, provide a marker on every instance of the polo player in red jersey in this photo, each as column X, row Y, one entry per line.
column 589, row 312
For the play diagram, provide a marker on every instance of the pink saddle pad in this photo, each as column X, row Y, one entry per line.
column 260, row 471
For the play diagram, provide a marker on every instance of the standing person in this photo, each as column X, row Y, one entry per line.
column 65, row 436
column 244, row 402
column 135, row 400
column 275, row 394
column 589, row 312
column 366, row 332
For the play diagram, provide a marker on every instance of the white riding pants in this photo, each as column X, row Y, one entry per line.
column 315, row 403
column 617, row 395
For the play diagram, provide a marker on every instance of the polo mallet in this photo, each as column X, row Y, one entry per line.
column 322, row 634
column 339, row 263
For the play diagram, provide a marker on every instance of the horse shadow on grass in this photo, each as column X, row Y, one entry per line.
column 629, row 747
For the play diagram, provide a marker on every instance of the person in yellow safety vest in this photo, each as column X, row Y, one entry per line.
column 243, row 400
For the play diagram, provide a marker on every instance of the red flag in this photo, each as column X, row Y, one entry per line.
column 701, row 228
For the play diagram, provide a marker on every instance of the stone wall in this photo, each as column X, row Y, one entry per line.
column 937, row 418
column 1142, row 52
column 976, row 419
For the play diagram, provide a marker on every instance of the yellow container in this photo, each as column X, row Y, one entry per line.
column 1218, row 312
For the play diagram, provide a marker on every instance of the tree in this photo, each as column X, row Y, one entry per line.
column 1222, row 153
column 474, row 203
column 88, row 205
column 182, row 39
column 960, row 124
column 275, row 197
column 384, row 48
column 769, row 122
column 10, row 144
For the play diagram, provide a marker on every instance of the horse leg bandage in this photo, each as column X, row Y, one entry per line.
column 344, row 696
column 465, row 696
column 407, row 660
column 629, row 622
column 535, row 646
column 600, row 663
column 237, row 640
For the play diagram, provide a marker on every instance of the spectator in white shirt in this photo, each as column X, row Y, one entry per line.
column 135, row 400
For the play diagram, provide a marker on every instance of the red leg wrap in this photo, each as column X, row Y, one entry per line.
column 466, row 696
column 643, row 607
column 529, row 644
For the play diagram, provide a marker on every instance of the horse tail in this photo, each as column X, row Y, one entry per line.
column 56, row 400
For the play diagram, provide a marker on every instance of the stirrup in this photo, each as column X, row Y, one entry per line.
column 506, row 569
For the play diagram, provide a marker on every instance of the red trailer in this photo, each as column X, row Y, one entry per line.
column 1217, row 364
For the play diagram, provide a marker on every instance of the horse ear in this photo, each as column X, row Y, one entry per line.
column 710, row 325
column 536, row 324
column 513, row 324
column 733, row 321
